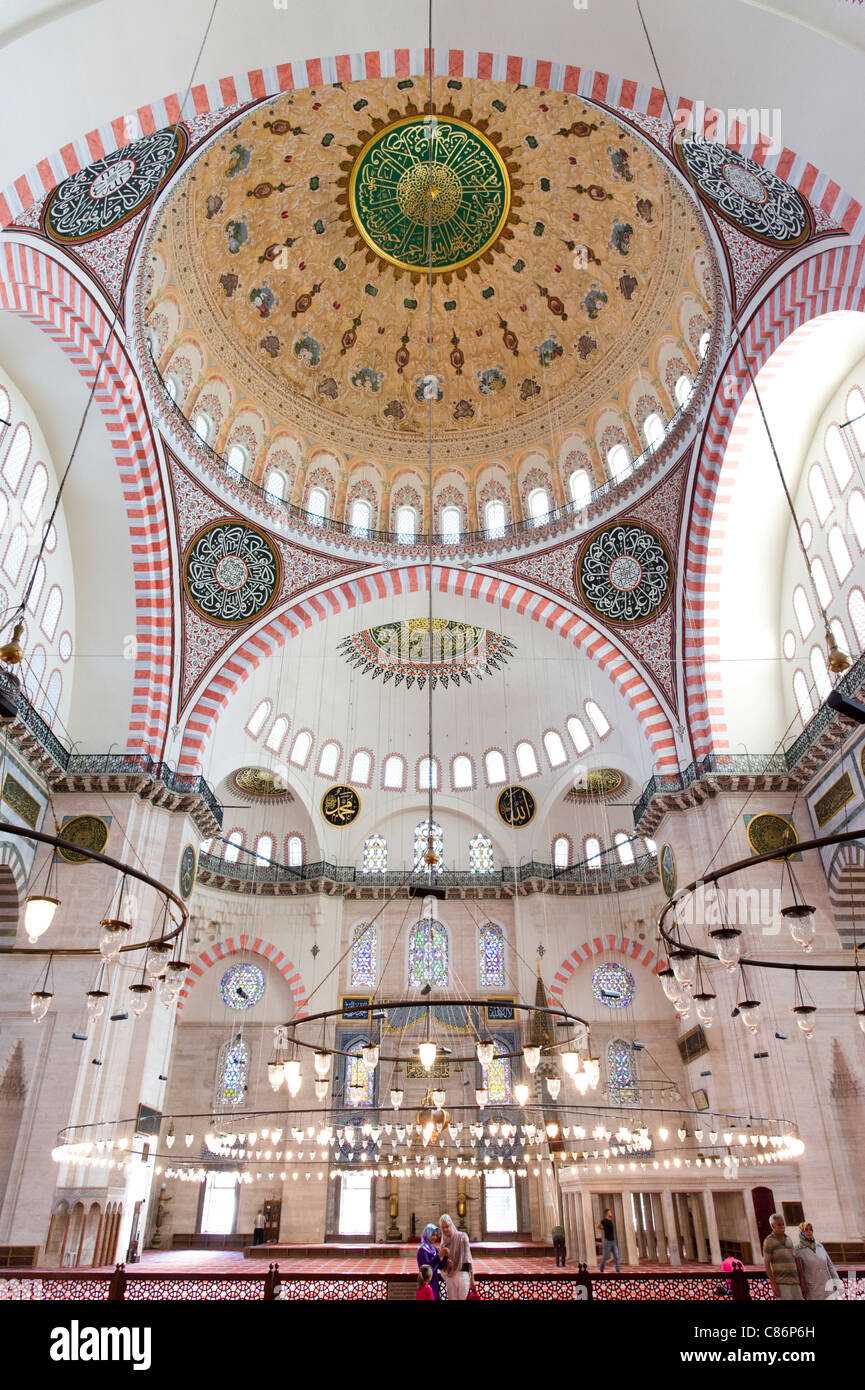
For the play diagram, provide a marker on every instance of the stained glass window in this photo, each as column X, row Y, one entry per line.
column 492, row 948
column 421, row 835
column 428, row 954
column 613, row 985
column 375, row 855
column 481, row 859
column 363, row 949
column 241, row 986
column 231, row 1073
column 622, row 1073
column 497, row 1080
column 357, row 1074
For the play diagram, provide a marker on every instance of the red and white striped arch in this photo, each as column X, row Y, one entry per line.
column 634, row 951
column 222, row 951
column 539, row 608
column 833, row 280
column 617, row 92
column 45, row 292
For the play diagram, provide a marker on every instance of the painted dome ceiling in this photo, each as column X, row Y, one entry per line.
column 296, row 252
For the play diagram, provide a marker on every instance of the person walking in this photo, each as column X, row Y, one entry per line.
column 609, row 1245
column 779, row 1258
column 820, row 1277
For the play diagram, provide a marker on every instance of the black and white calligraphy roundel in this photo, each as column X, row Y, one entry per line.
column 624, row 573
column 231, row 572
column 104, row 195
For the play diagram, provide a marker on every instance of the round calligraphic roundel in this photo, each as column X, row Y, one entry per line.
column 90, row 832
column 624, row 573
column 231, row 572
column 340, row 806
column 667, row 870
column 748, row 195
column 429, row 178
column 106, row 194
column 767, row 832
column 186, row 875
column 516, row 806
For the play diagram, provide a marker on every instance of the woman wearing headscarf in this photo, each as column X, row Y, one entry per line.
column 428, row 1254
column 456, row 1261
column 819, row 1275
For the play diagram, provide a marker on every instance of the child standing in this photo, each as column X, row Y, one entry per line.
column 424, row 1284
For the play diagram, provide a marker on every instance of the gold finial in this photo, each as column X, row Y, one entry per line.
column 11, row 652
column 837, row 660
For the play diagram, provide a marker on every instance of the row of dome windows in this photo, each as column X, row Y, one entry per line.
column 463, row 775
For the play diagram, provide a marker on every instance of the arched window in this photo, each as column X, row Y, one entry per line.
column 203, row 426
column 856, row 515
column 806, row 531
column 495, row 517
column 328, row 759
column 622, row 1079
column 788, row 645
column 231, row 853
column 491, row 944
column 653, row 430
column 316, row 504
column 624, row 848
column 597, row 718
column 451, row 525
column 802, row 609
column 394, row 772
column 16, row 457
column 481, row 858
column 274, row 488
column 580, row 487
column 856, row 609
column 428, row 954
column 494, row 768
column 361, row 515
column 359, row 1081
column 819, row 492
column 462, row 773
column 264, row 849
column 822, row 681
column 258, row 718
column 363, row 953
column 361, row 767
column 375, row 855
column 703, row 345
column 539, row 505
column 35, row 494
column 839, row 552
column 300, row 749
column 593, row 853
column 839, row 458
column 561, row 852
column 406, row 524
column 52, row 697
column 821, row 582
column 619, row 464
column 15, row 552
column 51, row 616
column 803, row 697
column 276, row 738
column 428, row 774
column 527, row 762
column 579, row 737
column 682, row 389
column 237, row 458
column 35, row 672
column 856, row 416
column 232, row 1071
column 36, row 586
column 651, row 847
column 497, row 1079
column 554, row 748
column 294, row 851
column 421, row 838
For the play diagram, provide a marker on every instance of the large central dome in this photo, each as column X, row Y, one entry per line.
column 296, row 253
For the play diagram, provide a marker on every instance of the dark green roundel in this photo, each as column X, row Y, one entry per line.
column 187, row 871
column 420, row 160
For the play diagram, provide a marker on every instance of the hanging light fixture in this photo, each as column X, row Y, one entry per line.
column 157, row 961
column 113, row 936
column 521, row 1092
column 40, row 999
column 804, row 1011
column 427, row 1052
column 141, row 993
column 322, row 1063
column 396, row 1097
column 485, row 1050
column 554, row 1086
column 39, row 910
column 728, row 944
column 571, row 1061
column 749, row 1008
column 799, row 914
column 369, row 1052
column 592, row 1069
column 705, row 1000
column 481, row 1096
column 682, row 960
column 670, row 984
column 532, row 1057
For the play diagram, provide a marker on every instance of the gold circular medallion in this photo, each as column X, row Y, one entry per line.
column 340, row 806
column 516, row 806
column 767, row 832
column 667, row 870
column 90, row 832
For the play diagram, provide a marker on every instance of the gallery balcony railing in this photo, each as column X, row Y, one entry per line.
column 780, row 763
column 512, row 530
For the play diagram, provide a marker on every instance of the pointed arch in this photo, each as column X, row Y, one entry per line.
column 232, row 946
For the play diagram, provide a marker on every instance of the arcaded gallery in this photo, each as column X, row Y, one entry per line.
column 432, row 691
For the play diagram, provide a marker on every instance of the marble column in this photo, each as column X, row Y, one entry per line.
column 669, row 1210
column 589, row 1228
column 573, row 1234
column 711, row 1225
column 751, row 1223
column 630, row 1252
